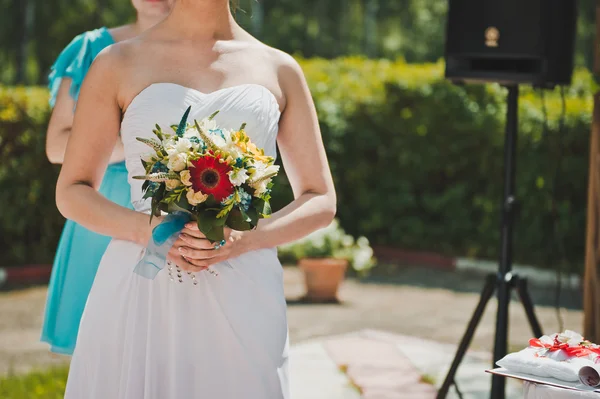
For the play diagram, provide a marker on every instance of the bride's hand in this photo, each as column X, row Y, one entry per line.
column 198, row 253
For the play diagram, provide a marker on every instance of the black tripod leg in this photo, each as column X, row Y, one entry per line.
column 523, row 291
column 486, row 294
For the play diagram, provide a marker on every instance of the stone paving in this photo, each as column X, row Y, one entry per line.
column 432, row 305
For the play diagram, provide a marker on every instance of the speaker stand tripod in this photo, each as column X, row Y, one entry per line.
column 504, row 281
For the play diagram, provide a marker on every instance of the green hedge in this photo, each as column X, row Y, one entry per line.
column 30, row 223
column 417, row 162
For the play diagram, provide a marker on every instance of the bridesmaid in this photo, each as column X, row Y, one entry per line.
column 80, row 250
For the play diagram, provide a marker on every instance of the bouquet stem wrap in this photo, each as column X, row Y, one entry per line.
column 163, row 237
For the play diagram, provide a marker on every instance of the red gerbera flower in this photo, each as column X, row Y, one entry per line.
column 209, row 175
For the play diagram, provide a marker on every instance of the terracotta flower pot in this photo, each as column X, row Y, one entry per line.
column 323, row 277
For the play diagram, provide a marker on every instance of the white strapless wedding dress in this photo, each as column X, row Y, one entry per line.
column 225, row 338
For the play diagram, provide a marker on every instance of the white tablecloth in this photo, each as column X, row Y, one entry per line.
column 534, row 391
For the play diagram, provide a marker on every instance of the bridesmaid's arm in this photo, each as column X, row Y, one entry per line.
column 93, row 136
column 60, row 125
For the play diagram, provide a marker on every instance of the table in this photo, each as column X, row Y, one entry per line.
column 535, row 391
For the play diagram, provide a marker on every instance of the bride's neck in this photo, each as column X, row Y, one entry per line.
column 203, row 19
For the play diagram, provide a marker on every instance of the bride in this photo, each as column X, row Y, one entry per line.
column 198, row 335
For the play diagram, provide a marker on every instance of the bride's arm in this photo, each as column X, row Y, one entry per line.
column 95, row 131
column 305, row 162
column 306, row 166
column 93, row 137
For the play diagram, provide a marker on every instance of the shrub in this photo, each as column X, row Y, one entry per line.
column 331, row 242
column 30, row 223
column 417, row 162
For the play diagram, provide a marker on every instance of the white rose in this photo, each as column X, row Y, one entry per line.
column 183, row 145
column 170, row 146
column 177, row 162
column 238, row 178
column 172, row 184
column 195, row 198
column 260, row 187
column 186, row 177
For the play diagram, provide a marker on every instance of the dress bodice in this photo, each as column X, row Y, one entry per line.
column 165, row 103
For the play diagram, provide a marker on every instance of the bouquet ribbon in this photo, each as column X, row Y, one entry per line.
column 163, row 237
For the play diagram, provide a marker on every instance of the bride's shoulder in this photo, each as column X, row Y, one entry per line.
column 288, row 70
column 283, row 64
column 113, row 66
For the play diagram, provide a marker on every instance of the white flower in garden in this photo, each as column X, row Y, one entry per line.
column 239, row 177
column 195, row 198
column 177, row 162
column 172, row 184
column 363, row 256
column 347, row 240
column 185, row 177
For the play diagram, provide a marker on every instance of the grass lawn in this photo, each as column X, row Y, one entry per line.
column 49, row 384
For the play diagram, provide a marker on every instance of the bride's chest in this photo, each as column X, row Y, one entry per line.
column 163, row 104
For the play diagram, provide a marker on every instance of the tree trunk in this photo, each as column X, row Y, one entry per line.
column 591, row 281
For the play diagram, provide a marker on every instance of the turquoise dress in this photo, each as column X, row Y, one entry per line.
column 79, row 250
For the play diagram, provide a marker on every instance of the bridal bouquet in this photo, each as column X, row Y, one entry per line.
column 214, row 176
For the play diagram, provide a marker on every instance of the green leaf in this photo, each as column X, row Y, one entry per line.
column 263, row 207
column 267, row 211
column 221, row 221
column 206, row 221
column 209, row 226
column 157, row 198
column 183, row 123
column 211, row 202
column 212, row 116
column 253, row 215
column 238, row 221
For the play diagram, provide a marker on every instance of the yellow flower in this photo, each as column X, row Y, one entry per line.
column 185, row 177
column 195, row 198
column 173, row 184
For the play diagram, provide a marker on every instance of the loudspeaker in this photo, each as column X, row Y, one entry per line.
column 511, row 41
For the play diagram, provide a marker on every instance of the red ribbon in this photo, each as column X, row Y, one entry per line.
column 571, row 351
